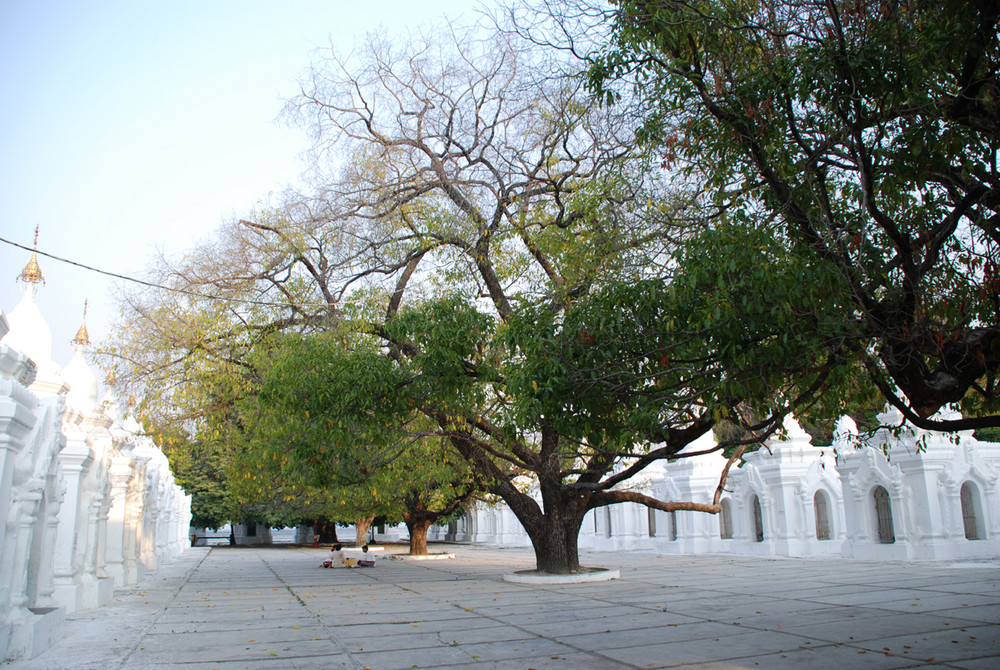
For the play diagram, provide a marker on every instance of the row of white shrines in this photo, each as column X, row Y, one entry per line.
column 900, row 494
column 89, row 503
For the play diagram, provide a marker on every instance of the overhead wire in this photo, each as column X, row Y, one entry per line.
column 172, row 289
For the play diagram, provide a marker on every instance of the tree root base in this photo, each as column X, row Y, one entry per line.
column 421, row 557
column 586, row 575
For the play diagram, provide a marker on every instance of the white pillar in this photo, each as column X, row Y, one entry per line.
column 68, row 556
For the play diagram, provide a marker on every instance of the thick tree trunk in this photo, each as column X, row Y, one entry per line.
column 325, row 531
column 555, row 535
column 555, row 546
column 418, row 534
column 361, row 527
column 553, row 527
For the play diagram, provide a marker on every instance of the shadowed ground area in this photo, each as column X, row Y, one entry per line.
column 231, row 608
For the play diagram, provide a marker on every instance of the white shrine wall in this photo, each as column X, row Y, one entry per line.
column 696, row 477
column 786, row 478
column 31, row 482
column 924, row 473
column 17, row 423
column 75, row 503
column 813, row 501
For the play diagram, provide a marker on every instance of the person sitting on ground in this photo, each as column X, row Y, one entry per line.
column 336, row 559
column 367, row 559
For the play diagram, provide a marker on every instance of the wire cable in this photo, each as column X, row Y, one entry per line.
column 195, row 294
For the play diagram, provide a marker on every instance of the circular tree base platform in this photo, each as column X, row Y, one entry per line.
column 585, row 575
column 424, row 557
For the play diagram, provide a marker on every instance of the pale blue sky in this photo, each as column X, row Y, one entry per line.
column 127, row 125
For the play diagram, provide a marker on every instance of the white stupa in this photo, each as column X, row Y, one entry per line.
column 30, row 333
column 82, row 381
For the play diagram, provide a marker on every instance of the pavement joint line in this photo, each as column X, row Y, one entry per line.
column 333, row 637
column 482, row 615
column 808, row 643
column 861, row 646
column 533, row 634
column 528, row 633
column 161, row 610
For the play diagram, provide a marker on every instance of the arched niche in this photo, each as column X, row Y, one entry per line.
column 824, row 521
column 758, row 519
column 883, row 515
column 726, row 520
column 972, row 511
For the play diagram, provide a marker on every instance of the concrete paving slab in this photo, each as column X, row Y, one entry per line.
column 621, row 639
column 407, row 658
column 497, row 633
column 416, row 642
column 869, row 598
column 730, row 610
column 982, row 613
column 581, row 611
column 566, row 661
column 230, row 608
column 989, row 663
column 821, row 658
column 178, row 625
column 528, row 649
column 943, row 646
column 290, row 663
column 823, row 616
column 934, row 602
column 814, row 591
column 193, row 648
column 727, row 647
column 860, row 629
column 467, row 625
column 644, row 621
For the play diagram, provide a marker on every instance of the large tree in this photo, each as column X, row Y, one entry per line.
column 865, row 135
column 484, row 244
column 505, row 193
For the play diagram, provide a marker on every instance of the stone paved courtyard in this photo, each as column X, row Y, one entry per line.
column 230, row 608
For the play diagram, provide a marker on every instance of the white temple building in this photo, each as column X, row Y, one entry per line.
column 88, row 503
column 900, row 494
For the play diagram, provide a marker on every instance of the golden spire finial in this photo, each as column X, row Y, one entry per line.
column 82, row 338
column 32, row 273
